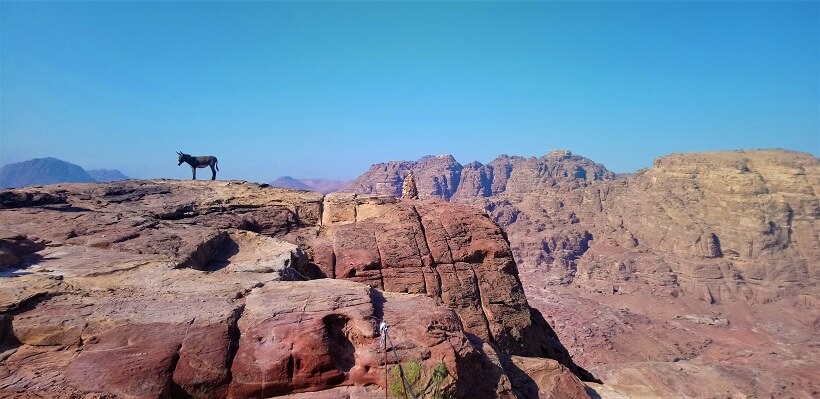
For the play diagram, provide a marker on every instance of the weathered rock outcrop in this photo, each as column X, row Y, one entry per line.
column 408, row 188
column 704, row 266
column 186, row 289
column 436, row 177
column 742, row 224
column 454, row 253
column 14, row 246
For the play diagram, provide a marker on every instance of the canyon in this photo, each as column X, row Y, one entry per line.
column 547, row 277
column 696, row 277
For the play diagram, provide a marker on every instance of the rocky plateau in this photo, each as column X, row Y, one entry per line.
column 227, row 289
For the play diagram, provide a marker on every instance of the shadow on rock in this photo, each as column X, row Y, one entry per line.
column 554, row 349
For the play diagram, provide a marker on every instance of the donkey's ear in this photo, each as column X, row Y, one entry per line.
column 179, row 152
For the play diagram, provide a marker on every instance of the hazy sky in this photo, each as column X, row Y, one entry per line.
column 327, row 89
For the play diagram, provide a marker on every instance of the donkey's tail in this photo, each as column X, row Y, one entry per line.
column 216, row 163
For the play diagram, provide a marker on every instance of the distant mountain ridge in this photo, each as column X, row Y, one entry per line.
column 289, row 182
column 443, row 177
column 714, row 225
column 107, row 175
column 43, row 171
column 323, row 186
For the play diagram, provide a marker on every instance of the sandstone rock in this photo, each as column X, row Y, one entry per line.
column 130, row 361
column 291, row 341
column 754, row 213
column 19, row 291
column 205, row 353
column 322, row 333
column 615, row 391
column 339, row 208
column 741, row 206
column 408, row 188
column 454, row 253
column 436, row 177
column 738, row 230
column 353, row 392
column 185, row 289
column 547, row 379
column 638, row 347
column 32, row 197
column 13, row 247
column 36, row 372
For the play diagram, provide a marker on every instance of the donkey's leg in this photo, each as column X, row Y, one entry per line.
column 213, row 177
column 193, row 172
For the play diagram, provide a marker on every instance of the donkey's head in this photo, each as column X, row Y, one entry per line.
column 182, row 157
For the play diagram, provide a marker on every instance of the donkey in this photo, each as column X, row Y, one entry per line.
column 199, row 162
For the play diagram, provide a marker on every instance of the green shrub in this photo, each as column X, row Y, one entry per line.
column 414, row 373
column 439, row 374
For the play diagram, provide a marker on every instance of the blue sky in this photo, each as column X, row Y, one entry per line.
column 327, row 89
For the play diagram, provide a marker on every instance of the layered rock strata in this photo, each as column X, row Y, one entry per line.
column 454, row 253
column 741, row 225
column 186, row 289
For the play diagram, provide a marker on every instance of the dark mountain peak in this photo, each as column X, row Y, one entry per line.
column 42, row 171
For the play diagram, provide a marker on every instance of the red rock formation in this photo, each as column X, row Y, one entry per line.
column 436, row 177
column 455, row 253
column 171, row 289
column 713, row 225
column 13, row 247
column 737, row 232
column 408, row 188
column 740, row 225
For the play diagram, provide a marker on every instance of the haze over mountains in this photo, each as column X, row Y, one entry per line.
column 323, row 186
column 42, row 171
column 107, row 175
